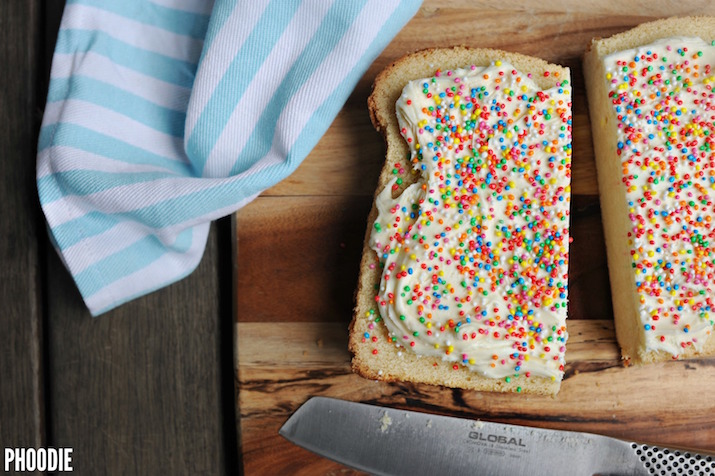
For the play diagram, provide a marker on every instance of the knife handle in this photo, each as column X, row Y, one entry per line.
column 672, row 461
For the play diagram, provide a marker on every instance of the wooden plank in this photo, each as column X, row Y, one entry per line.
column 22, row 421
column 300, row 257
column 139, row 389
column 605, row 8
column 285, row 363
column 146, row 388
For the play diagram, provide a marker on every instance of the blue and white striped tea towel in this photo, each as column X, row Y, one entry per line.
column 163, row 115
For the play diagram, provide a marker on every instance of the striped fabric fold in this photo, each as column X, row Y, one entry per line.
column 164, row 115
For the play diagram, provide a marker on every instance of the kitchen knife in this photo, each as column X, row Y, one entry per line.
column 388, row 441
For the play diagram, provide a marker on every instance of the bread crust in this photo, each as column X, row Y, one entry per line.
column 616, row 224
column 388, row 363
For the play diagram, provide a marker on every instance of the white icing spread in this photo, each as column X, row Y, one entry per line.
column 475, row 252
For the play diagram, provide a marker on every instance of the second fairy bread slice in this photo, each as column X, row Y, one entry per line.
column 465, row 264
column 652, row 112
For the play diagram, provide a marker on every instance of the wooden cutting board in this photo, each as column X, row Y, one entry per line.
column 299, row 244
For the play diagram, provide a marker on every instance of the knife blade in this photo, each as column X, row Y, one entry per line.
column 386, row 441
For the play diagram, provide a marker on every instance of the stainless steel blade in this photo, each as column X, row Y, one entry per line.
column 387, row 441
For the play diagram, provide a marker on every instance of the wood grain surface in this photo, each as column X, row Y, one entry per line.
column 299, row 247
column 144, row 389
column 138, row 390
column 22, row 420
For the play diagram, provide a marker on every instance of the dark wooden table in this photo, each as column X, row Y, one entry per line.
column 145, row 389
